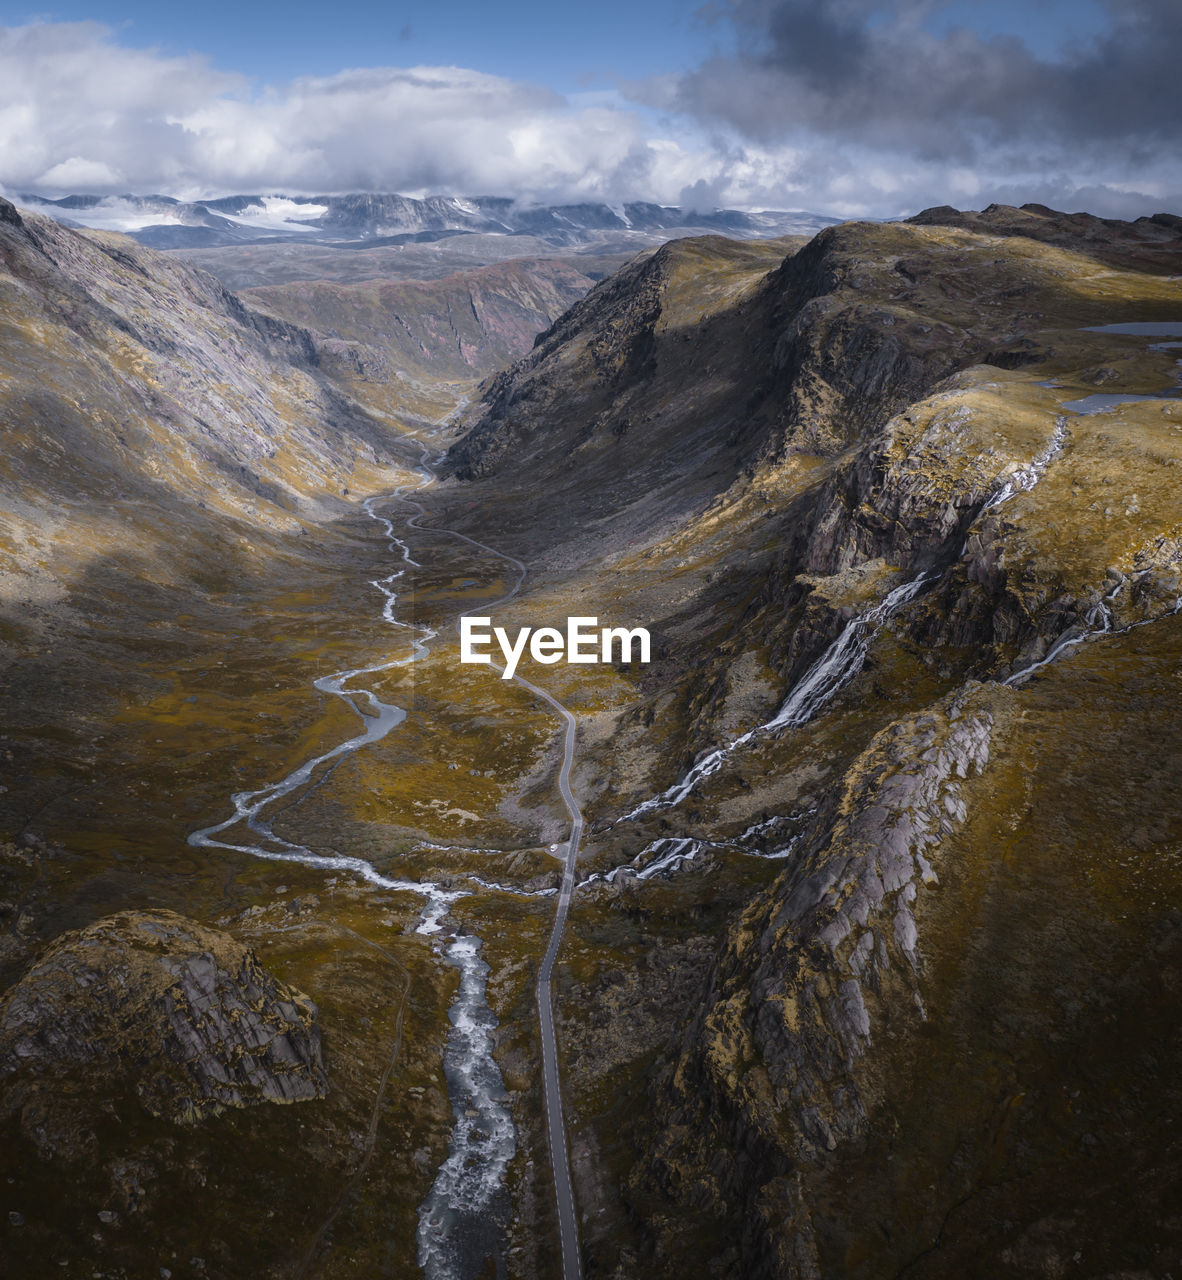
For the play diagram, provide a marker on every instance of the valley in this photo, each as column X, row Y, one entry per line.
column 849, row 923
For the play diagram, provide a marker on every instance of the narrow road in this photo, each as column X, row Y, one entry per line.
column 378, row 720
column 568, row 1223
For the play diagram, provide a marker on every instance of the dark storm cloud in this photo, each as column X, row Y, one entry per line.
column 838, row 106
column 869, row 73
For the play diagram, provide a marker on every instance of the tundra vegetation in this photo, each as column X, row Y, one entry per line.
column 888, row 991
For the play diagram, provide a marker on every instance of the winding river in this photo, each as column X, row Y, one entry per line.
column 458, row 1222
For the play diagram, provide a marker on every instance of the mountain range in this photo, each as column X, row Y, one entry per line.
column 375, row 220
column 875, row 933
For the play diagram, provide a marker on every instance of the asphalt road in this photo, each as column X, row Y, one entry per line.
column 568, row 1222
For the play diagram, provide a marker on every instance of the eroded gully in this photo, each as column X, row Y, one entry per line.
column 458, row 1220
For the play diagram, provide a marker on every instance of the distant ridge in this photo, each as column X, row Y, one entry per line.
column 372, row 220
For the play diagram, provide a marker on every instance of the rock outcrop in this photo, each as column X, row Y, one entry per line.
column 9, row 214
column 913, row 1039
column 772, row 1074
column 150, row 1002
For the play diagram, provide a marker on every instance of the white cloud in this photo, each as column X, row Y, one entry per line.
column 79, row 112
column 888, row 115
column 73, row 104
column 80, row 174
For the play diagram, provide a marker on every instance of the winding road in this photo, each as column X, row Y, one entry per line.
column 378, row 719
column 568, row 1222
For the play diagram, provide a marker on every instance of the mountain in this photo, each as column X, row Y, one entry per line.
column 365, row 220
column 257, row 241
column 130, row 378
column 896, row 500
column 181, row 539
column 163, row 444
column 871, row 960
column 396, row 335
column 181, row 536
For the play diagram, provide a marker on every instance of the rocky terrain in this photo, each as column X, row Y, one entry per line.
column 187, row 1010
column 933, row 1040
column 390, row 339
column 871, row 969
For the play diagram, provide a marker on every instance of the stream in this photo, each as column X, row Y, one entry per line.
column 459, row 1222
column 833, row 670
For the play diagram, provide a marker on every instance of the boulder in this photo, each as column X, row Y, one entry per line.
column 151, row 1003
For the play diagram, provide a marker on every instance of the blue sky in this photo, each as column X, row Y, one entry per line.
column 848, row 107
column 565, row 46
column 569, row 47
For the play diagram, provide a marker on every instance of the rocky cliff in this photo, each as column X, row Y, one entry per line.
column 404, row 335
column 151, row 1003
column 126, row 370
column 873, row 964
column 865, row 400
column 939, row 1016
